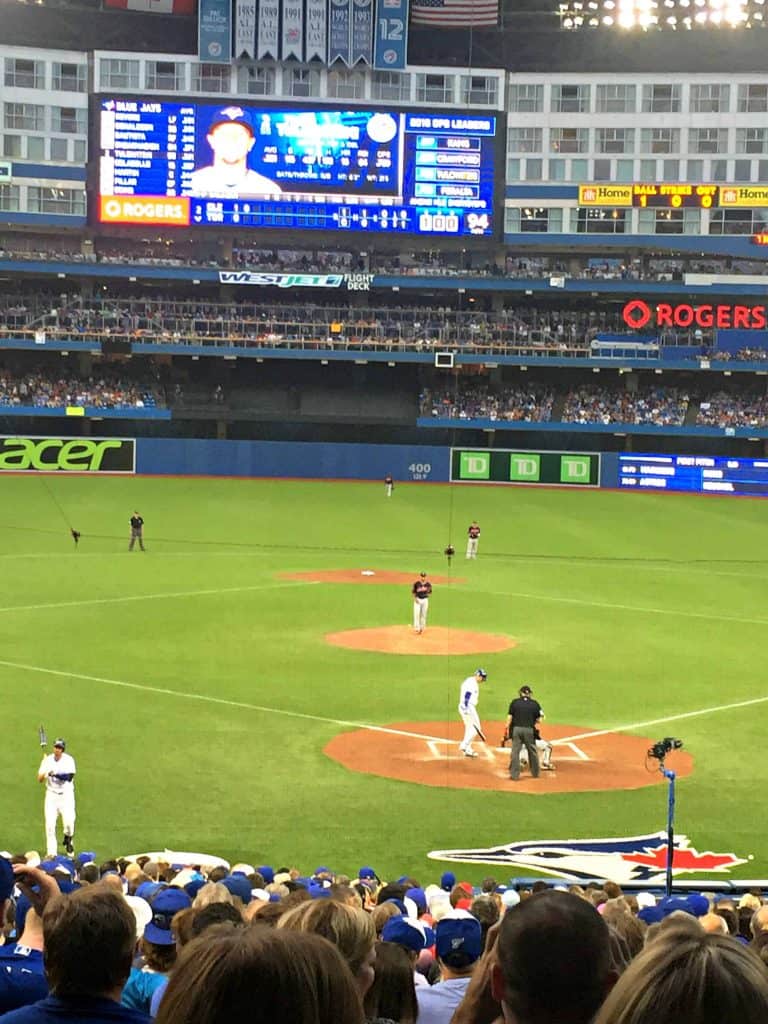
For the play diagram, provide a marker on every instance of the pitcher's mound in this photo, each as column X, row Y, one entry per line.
column 434, row 640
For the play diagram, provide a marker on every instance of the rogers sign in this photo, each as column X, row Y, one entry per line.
column 638, row 314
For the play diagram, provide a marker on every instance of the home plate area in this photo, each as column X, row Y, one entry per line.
column 428, row 753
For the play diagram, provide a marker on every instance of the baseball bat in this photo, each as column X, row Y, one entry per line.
column 42, row 736
column 481, row 734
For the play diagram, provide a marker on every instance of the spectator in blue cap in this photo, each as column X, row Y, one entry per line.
column 158, row 950
column 89, row 939
column 447, row 880
column 413, row 936
column 239, row 886
column 22, row 976
column 231, row 136
column 459, row 943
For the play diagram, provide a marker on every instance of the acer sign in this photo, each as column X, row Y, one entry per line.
column 637, row 314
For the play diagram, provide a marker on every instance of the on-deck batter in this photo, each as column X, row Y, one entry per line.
column 57, row 771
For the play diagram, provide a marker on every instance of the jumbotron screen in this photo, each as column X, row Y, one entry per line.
column 243, row 166
column 704, row 474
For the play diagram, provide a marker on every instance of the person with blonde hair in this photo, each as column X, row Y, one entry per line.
column 258, row 976
column 696, row 978
column 350, row 930
column 212, row 892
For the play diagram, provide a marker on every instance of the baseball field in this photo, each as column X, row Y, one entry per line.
column 207, row 708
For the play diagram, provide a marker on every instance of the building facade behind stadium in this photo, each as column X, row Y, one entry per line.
column 602, row 269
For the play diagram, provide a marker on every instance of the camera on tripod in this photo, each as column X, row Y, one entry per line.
column 660, row 750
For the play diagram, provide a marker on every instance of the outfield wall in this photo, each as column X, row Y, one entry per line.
column 292, row 459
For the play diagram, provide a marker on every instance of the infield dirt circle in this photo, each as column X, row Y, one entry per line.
column 434, row 640
column 427, row 753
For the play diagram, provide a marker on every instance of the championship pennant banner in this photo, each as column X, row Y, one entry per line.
column 290, row 30
column 245, row 30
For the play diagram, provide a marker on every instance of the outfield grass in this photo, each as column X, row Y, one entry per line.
column 625, row 608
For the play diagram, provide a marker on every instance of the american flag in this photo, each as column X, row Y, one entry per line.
column 449, row 13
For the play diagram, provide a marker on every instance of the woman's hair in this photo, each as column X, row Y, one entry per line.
column 212, row 892
column 696, row 978
column 393, row 993
column 381, row 914
column 351, row 930
column 257, row 976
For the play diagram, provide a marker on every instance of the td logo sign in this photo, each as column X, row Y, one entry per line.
column 505, row 466
column 68, row 454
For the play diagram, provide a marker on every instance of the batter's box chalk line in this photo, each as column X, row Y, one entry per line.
column 441, row 750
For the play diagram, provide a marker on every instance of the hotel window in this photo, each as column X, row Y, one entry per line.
column 659, row 140
column 391, row 85
column 614, row 140
column 165, row 75
column 752, row 140
column 570, row 99
column 24, row 74
column 70, row 77
column 25, row 116
column 753, row 99
column 119, row 74
column 524, row 140
column 661, row 98
column 479, row 90
column 526, row 98
column 710, row 98
column 708, row 140
column 569, row 140
column 256, row 81
column 212, row 78
column 615, row 99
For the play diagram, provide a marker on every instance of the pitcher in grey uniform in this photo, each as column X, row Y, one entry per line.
column 524, row 713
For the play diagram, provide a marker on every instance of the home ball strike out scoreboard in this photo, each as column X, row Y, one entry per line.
column 703, row 474
column 188, row 164
column 661, row 195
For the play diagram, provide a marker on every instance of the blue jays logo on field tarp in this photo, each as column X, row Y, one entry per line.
column 628, row 859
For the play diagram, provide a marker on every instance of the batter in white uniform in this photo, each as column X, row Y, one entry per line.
column 57, row 771
column 468, row 697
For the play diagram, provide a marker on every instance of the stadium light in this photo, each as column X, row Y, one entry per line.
column 662, row 14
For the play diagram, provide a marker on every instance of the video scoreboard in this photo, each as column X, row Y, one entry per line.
column 703, row 474
column 243, row 166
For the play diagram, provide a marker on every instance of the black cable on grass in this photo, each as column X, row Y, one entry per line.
column 514, row 556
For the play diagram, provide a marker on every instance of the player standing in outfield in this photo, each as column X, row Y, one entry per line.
column 473, row 535
column 137, row 531
column 421, row 590
column 57, row 771
column 389, row 483
column 468, row 697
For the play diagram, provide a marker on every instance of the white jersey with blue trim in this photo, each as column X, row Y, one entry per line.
column 469, row 693
column 64, row 766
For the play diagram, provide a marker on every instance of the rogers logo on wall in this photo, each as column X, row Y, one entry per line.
column 637, row 314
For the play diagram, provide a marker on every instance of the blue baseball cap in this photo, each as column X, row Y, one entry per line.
column 419, row 897
column 447, row 880
column 148, row 889
column 164, row 906
column 481, row 672
column 233, row 114
column 238, row 885
column 367, row 872
column 459, row 940
column 414, row 935
column 317, row 891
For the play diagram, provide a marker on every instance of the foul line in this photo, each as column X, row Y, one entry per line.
column 711, row 616
column 216, row 700
column 661, row 721
column 154, row 597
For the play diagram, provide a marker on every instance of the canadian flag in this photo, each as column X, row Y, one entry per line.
column 155, row 6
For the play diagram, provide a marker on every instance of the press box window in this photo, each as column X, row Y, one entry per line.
column 391, row 85
column 69, row 77
column 736, row 222
column 165, row 75
column 346, row 84
column 301, row 82
column 434, row 89
column 601, row 222
column 615, row 98
column 479, row 90
column 119, row 74
column 570, row 99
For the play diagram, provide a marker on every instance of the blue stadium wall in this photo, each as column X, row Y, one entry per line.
column 310, row 461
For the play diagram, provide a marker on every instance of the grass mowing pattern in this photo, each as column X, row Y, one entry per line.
column 625, row 607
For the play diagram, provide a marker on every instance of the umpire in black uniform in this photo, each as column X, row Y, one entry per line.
column 524, row 713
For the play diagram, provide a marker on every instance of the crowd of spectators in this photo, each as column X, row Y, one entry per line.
column 529, row 404
column 129, row 941
column 657, row 406
column 106, row 390
column 725, row 409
